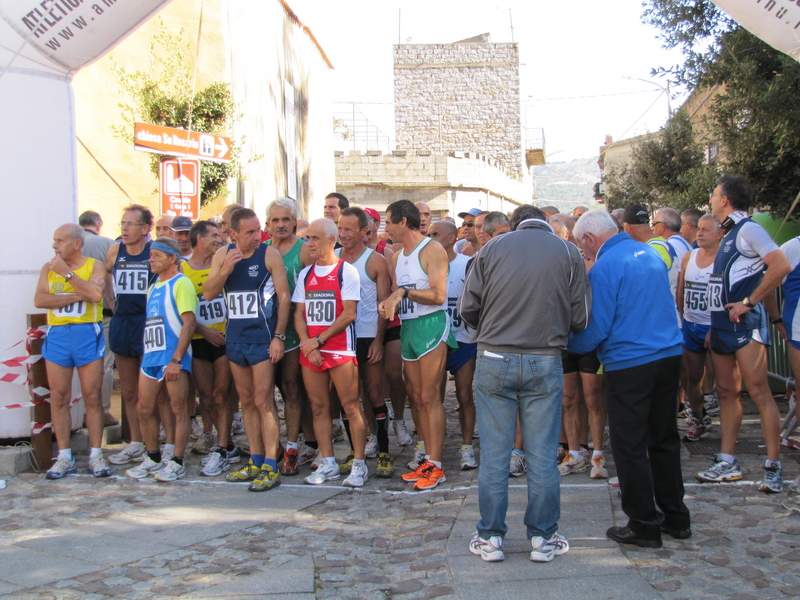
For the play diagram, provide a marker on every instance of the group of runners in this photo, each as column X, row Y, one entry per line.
column 350, row 327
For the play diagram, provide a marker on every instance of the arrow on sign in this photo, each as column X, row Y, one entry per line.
column 221, row 146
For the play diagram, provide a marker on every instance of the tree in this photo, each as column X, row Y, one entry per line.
column 754, row 115
column 163, row 96
column 665, row 171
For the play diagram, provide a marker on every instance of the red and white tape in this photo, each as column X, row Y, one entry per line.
column 40, row 427
column 18, row 362
column 72, row 403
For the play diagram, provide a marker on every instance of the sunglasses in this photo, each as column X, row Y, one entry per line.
column 470, row 224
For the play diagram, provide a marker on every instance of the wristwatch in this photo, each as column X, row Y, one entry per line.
column 747, row 302
column 320, row 343
column 177, row 361
column 281, row 336
column 406, row 291
column 777, row 321
column 69, row 275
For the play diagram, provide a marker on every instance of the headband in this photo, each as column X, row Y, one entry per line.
column 161, row 247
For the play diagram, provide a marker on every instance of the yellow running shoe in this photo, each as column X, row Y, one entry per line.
column 385, row 468
column 246, row 473
column 266, row 480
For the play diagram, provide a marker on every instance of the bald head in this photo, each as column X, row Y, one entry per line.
column 444, row 232
column 164, row 226
column 424, row 217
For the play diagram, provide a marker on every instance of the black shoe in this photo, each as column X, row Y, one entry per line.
column 678, row 534
column 626, row 535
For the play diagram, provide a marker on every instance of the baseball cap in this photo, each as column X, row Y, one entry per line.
column 181, row 224
column 636, row 214
column 473, row 212
column 374, row 214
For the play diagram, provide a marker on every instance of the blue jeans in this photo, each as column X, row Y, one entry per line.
column 531, row 385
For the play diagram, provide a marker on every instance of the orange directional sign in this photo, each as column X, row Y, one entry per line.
column 179, row 142
column 180, row 187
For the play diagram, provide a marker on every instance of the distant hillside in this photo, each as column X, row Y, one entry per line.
column 566, row 185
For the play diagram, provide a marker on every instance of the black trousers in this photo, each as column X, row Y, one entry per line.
column 646, row 445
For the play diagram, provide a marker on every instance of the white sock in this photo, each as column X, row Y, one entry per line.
column 438, row 463
column 169, row 448
column 96, row 452
column 772, row 463
column 291, row 445
column 358, row 463
column 597, row 453
column 137, row 444
column 728, row 458
column 576, row 454
column 331, row 460
column 466, row 446
column 66, row 453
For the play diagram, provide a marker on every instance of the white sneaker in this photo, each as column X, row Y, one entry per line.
column 371, row 449
column 61, row 468
column 170, row 472
column 357, row 478
column 215, row 466
column 419, row 456
column 467, row 458
column 711, row 403
column 490, row 550
column 544, row 550
column 204, row 444
column 130, row 453
column 570, row 464
column 148, row 467
column 317, row 461
column 518, row 466
column 167, row 454
column 337, row 431
column 389, row 408
column 98, row 466
column 162, row 435
column 599, row 470
column 197, row 428
column 305, row 454
column 324, row 473
column 401, row 433
column 237, row 426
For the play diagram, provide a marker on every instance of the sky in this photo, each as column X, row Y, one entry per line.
column 574, row 57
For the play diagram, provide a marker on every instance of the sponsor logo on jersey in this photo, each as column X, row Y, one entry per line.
column 313, row 281
column 253, row 271
column 58, row 286
column 741, row 340
column 331, row 277
column 728, row 245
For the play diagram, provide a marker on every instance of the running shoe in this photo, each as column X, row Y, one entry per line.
column 432, row 477
column 347, row 465
column 385, row 466
column 684, row 424
column 266, row 480
column 324, row 473
column 467, row 458
column 695, row 432
column 280, row 407
column 172, row 471
column 215, row 465
column 543, row 550
column 317, row 461
column 570, row 465
column 237, row 426
column 599, row 470
column 235, row 455
column 401, row 437
column 389, row 408
column 519, row 465
column 418, row 458
column 338, row 431
column 560, row 454
column 130, row 453
column 289, row 467
column 711, row 404
column 246, row 473
column 419, row 472
column 162, row 435
column 167, row 453
column 371, row 449
column 490, row 550
column 773, row 479
column 305, row 454
column 204, row 444
column 721, row 471
column 197, row 429
column 62, row 467
column 148, row 467
column 358, row 476
column 98, row 466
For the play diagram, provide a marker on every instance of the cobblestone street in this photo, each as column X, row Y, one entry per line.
column 87, row 539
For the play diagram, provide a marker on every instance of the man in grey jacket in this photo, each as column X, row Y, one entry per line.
column 526, row 291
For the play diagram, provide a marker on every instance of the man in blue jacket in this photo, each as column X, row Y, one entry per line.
column 637, row 338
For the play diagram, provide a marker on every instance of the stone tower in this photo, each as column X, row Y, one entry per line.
column 460, row 97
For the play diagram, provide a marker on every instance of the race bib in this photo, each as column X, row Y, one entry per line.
column 320, row 308
column 155, row 337
column 76, row 309
column 694, row 296
column 452, row 311
column 211, row 312
column 407, row 304
column 131, row 278
column 243, row 305
column 714, row 293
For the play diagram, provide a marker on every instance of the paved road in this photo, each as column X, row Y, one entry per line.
column 94, row 539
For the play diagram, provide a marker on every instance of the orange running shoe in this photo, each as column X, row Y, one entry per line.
column 431, row 478
column 419, row 472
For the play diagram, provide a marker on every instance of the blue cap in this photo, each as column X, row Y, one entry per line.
column 472, row 212
column 181, row 224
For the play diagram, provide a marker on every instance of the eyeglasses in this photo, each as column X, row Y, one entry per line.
column 654, row 223
column 129, row 223
column 470, row 224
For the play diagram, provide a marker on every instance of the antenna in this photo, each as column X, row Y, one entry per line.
column 511, row 20
column 399, row 16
